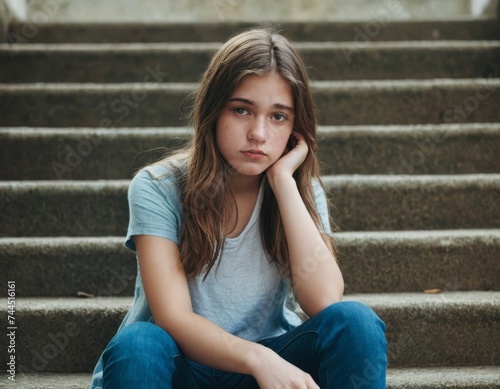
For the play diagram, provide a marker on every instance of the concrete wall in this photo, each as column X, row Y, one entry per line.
column 254, row 10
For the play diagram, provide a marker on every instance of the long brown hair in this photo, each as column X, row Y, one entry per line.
column 206, row 195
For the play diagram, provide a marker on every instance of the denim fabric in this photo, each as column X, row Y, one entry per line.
column 341, row 347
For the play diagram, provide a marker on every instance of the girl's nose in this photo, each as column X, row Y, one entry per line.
column 258, row 131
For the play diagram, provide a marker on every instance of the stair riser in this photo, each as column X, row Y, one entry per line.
column 160, row 106
column 401, row 264
column 442, row 337
column 115, row 155
column 83, row 157
column 49, row 211
column 369, row 265
column 348, row 32
column 350, row 62
column 67, row 341
column 87, row 210
column 35, row 266
column 359, row 206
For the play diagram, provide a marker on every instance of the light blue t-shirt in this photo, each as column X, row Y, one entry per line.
column 244, row 293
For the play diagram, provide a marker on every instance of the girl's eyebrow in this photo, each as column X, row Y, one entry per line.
column 250, row 102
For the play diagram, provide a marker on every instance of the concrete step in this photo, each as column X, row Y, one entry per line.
column 90, row 153
column 165, row 104
column 371, row 262
column 112, row 63
column 85, row 153
column 438, row 378
column 36, row 262
column 449, row 329
column 383, row 30
column 393, row 203
column 433, row 327
column 361, row 203
column 482, row 377
column 71, row 208
column 414, row 261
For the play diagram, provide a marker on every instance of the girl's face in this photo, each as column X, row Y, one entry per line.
column 254, row 127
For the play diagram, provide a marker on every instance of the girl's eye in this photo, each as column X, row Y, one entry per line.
column 279, row 117
column 240, row 111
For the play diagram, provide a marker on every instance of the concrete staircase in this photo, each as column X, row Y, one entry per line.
column 410, row 146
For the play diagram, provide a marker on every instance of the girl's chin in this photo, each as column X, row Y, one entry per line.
column 248, row 172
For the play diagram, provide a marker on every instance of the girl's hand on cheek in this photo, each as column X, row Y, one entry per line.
column 295, row 153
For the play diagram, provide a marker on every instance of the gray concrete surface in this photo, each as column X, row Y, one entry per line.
column 110, row 63
column 378, row 123
column 89, row 153
column 411, row 378
column 359, row 203
column 351, row 32
column 371, row 262
column 448, row 329
column 337, row 102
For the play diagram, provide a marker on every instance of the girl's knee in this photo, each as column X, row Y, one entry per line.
column 356, row 316
column 352, row 312
column 356, row 329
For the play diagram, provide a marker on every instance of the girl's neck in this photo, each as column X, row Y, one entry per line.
column 244, row 184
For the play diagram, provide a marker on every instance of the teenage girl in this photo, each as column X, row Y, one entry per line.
column 224, row 229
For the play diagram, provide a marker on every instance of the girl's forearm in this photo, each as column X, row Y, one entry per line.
column 203, row 341
column 317, row 278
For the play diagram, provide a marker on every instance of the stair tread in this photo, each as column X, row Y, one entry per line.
column 478, row 377
column 111, row 48
column 376, row 300
column 493, row 83
column 424, row 300
column 403, row 179
column 452, row 377
column 347, row 130
column 416, row 235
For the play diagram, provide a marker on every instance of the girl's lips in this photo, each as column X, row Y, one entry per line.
column 255, row 154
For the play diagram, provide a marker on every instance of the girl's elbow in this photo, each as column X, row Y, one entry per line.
column 319, row 304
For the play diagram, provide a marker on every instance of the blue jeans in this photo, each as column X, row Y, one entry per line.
column 341, row 347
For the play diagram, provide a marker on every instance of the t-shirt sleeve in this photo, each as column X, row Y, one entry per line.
column 322, row 207
column 154, row 208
